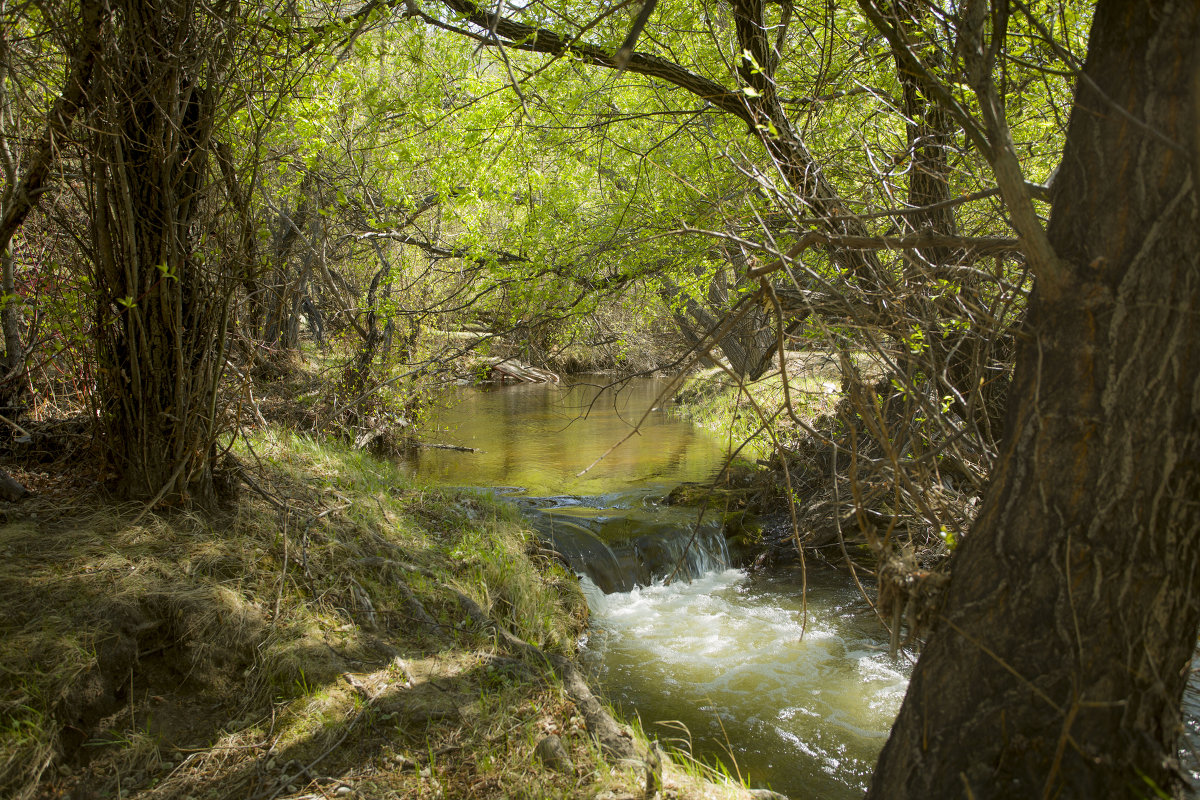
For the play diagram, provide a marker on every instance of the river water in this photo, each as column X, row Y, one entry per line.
column 789, row 690
column 793, row 696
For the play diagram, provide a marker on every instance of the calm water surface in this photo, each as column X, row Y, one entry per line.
column 538, row 437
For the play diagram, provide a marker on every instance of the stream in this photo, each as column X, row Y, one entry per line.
column 730, row 667
column 789, row 690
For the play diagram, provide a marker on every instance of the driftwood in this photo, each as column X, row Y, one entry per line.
column 615, row 742
column 500, row 369
column 437, row 446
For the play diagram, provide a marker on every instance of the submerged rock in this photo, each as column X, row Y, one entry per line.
column 767, row 794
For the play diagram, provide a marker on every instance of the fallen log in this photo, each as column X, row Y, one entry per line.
column 615, row 742
column 436, row 446
column 507, row 369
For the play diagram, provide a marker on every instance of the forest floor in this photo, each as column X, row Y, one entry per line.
column 314, row 637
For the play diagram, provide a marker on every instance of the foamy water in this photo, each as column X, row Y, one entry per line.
column 804, row 708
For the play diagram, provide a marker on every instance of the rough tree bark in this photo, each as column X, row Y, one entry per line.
column 1059, row 662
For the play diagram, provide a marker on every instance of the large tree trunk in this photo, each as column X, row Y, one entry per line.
column 162, row 310
column 1059, row 663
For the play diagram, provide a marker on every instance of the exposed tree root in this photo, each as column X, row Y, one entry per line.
column 616, row 742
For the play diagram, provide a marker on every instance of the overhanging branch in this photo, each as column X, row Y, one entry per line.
column 915, row 241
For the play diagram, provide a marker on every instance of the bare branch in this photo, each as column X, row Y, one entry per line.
column 916, row 241
column 73, row 97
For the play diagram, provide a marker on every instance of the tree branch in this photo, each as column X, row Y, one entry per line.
column 1003, row 156
column 498, row 256
column 912, row 241
column 520, row 36
column 68, row 104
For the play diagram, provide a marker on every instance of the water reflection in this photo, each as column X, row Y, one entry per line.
column 540, row 436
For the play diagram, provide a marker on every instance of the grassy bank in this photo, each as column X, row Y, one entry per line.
column 313, row 638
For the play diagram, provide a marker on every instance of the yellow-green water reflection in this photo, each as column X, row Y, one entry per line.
column 538, row 437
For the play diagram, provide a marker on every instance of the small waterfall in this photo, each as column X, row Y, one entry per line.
column 619, row 549
column 588, row 555
column 788, row 688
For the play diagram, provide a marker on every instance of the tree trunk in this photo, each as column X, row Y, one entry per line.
column 285, row 287
column 246, row 265
column 11, row 383
column 33, row 183
column 1060, row 660
column 804, row 176
column 749, row 345
column 162, row 306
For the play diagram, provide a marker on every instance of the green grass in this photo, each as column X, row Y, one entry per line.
column 213, row 656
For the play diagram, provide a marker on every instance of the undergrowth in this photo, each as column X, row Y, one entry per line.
column 858, row 472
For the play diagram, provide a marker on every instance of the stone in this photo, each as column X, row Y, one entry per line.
column 10, row 490
column 767, row 794
column 554, row 755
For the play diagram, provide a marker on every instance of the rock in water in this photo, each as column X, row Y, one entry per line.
column 554, row 755
column 767, row 794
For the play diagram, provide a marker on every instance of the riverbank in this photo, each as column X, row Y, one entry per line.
column 850, row 471
column 319, row 635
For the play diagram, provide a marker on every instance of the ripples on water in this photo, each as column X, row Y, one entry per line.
column 804, row 710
